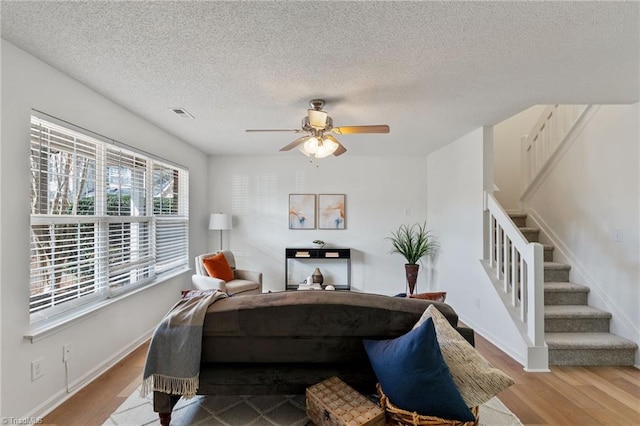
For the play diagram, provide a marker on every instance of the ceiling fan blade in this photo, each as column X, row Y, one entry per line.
column 346, row 130
column 295, row 143
column 341, row 150
column 275, row 130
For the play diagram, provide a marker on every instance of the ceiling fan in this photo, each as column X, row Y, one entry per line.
column 319, row 142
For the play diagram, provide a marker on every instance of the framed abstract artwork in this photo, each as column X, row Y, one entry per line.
column 331, row 211
column 302, row 211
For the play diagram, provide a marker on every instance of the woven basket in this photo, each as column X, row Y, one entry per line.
column 398, row 417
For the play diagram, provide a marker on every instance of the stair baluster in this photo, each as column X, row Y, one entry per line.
column 517, row 274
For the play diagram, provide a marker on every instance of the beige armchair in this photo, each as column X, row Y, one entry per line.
column 244, row 282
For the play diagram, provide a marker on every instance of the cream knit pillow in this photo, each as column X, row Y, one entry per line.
column 475, row 378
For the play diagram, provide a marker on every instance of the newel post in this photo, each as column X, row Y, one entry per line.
column 538, row 353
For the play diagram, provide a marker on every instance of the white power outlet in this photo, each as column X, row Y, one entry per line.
column 618, row 235
column 66, row 352
column 36, row 369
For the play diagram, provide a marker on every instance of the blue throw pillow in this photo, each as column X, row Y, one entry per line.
column 415, row 377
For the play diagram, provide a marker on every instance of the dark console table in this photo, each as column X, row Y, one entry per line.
column 317, row 257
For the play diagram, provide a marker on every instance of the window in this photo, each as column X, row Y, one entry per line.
column 105, row 219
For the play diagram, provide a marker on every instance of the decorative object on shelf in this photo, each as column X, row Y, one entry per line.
column 302, row 211
column 317, row 276
column 220, row 222
column 300, row 262
column 318, row 243
column 309, row 287
column 329, row 287
column 413, row 242
column 331, row 211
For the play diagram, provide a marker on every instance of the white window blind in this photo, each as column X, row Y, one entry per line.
column 105, row 219
column 172, row 216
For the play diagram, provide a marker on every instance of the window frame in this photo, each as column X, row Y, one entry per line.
column 129, row 237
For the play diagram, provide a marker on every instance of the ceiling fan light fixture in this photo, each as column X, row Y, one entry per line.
column 310, row 147
column 304, row 151
column 327, row 147
column 331, row 140
column 317, row 119
column 317, row 125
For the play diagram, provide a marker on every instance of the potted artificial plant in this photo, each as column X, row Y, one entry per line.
column 413, row 242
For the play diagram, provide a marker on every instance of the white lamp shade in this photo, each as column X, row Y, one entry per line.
column 220, row 221
column 327, row 147
column 304, row 151
column 311, row 145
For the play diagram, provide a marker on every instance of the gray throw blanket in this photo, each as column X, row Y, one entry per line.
column 173, row 360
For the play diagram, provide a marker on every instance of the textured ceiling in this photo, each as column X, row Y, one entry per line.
column 433, row 71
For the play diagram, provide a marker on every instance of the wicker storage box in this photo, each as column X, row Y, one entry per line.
column 398, row 417
column 334, row 403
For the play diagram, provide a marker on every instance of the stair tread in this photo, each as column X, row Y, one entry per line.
column 562, row 287
column 574, row 311
column 517, row 215
column 587, row 341
column 556, row 265
column 528, row 229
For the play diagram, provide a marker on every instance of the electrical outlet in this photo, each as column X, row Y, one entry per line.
column 618, row 235
column 477, row 303
column 66, row 352
column 36, row 369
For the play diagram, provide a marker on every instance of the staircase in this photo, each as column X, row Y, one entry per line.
column 575, row 333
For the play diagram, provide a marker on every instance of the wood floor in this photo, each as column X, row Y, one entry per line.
column 565, row 396
column 95, row 402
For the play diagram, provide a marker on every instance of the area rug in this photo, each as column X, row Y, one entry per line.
column 254, row 410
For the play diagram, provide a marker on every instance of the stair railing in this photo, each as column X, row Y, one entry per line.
column 516, row 267
column 552, row 128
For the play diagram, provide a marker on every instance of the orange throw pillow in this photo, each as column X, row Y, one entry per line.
column 218, row 267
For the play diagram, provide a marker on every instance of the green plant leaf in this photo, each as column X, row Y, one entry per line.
column 413, row 242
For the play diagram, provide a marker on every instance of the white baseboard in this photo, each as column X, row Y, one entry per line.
column 495, row 341
column 518, row 354
column 64, row 394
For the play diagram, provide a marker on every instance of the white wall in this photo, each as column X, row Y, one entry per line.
column 456, row 179
column 381, row 193
column 102, row 338
column 1, row 239
column 506, row 164
column 593, row 190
